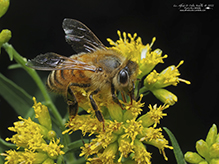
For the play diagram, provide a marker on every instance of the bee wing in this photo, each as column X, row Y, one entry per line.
column 80, row 37
column 52, row 61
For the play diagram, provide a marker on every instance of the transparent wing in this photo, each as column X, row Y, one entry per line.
column 80, row 37
column 52, row 61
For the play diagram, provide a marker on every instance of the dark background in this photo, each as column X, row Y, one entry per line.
column 191, row 36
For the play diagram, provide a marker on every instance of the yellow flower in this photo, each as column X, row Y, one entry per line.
column 165, row 96
column 151, row 134
column 125, row 136
column 53, row 149
column 208, row 149
column 108, row 154
column 25, row 157
column 120, row 136
column 125, row 147
column 85, row 123
column 134, row 109
column 168, row 76
column 134, row 49
column 141, row 155
column 132, row 129
column 31, row 137
column 28, row 134
column 154, row 137
column 42, row 114
column 153, row 116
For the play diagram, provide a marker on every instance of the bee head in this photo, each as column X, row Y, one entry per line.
column 125, row 77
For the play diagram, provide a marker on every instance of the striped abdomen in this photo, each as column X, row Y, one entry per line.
column 58, row 80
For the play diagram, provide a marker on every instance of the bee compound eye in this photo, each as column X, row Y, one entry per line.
column 123, row 76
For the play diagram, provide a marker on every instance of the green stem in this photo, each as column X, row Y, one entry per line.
column 22, row 61
column 19, row 59
column 136, row 91
column 142, row 90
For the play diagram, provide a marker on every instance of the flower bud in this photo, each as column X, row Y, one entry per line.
column 193, row 157
column 4, row 4
column 217, row 138
column 40, row 157
column 202, row 148
column 147, row 120
column 48, row 161
column 212, row 135
column 115, row 112
column 5, row 36
column 108, row 154
column 128, row 115
column 51, row 134
column 203, row 162
column 214, row 161
column 150, row 80
column 42, row 114
column 165, row 96
column 214, row 150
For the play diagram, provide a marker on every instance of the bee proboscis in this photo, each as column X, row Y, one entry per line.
column 95, row 68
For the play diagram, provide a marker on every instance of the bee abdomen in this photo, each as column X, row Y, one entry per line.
column 59, row 80
column 56, row 81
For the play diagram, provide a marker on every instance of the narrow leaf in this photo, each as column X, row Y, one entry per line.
column 77, row 144
column 14, row 66
column 4, row 144
column 18, row 98
column 176, row 148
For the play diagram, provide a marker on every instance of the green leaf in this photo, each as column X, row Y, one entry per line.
column 13, row 54
column 14, row 66
column 176, row 148
column 77, row 144
column 18, row 98
column 4, row 144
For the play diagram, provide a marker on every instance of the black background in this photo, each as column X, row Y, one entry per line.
column 191, row 36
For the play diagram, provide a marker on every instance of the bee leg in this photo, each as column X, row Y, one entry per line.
column 131, row 93
column 123, row 97
column 115, row 98
column 95, row 107
column 72, row 102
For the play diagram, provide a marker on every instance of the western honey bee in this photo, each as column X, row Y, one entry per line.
column 95, row 68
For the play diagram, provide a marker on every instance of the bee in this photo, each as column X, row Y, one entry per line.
column 95, row 69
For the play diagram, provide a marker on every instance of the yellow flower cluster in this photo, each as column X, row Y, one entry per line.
column 133, row 49
column 31, row 139
column 127, row 132
column 123, row 138
column 208, row 150
column 147, row 59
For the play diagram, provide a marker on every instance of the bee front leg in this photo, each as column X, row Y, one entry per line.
column 72, row 102
column 95, row 107
column 131, row 93
column 115, row 98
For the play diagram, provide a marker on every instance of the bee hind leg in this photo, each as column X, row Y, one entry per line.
column 72, row 103
column 95, row 107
